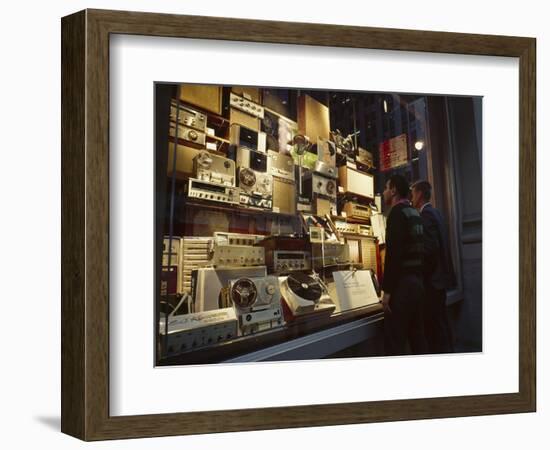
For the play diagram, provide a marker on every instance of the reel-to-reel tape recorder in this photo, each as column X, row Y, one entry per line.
column 257, row 303
column 214, row 168
column 256, row 188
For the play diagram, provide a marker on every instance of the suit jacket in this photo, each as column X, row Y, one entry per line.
column 438, row 265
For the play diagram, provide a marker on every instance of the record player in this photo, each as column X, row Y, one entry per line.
column 305, row 294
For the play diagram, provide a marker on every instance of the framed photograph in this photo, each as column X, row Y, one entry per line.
column 274, row 225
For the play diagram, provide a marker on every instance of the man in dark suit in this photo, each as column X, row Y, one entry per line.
column 438, row 271
column 402, row 283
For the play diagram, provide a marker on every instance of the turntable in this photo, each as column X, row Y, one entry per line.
column 305, row 294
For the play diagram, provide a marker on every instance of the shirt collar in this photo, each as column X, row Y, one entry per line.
column 424, row 205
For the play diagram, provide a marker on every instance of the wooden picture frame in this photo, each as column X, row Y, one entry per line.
column 85, row 224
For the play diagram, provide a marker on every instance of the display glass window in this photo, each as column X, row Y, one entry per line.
column 270, row 222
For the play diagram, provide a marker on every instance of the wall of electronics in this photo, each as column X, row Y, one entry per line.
column 278, row 213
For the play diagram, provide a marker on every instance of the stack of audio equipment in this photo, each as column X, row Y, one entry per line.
column 190, row 126
column 278, row 156
column 254, row 180
column 279, row 131
column 320, row 185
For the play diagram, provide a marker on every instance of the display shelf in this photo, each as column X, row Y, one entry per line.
column 247, row 344
column 351, row 220
column 230, row 208
column 217, row 138
column 352, row 195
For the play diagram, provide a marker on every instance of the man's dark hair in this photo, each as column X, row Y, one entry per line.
column 399, row 182
column 425, row 187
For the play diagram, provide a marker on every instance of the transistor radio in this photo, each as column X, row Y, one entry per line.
column 356, row 182
column 214, row 168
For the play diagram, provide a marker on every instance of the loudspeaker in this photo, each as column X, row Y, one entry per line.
column 284, row 196
column 282, row 101
column 356, row 182
column 207, row 97
column 313, row 118
column 252, row 93
column 184, row 160
column 246, row 120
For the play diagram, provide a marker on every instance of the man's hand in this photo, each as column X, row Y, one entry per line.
column 386, row 303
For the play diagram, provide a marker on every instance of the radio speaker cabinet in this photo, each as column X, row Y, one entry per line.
column 356, row 182
column 313, row 118
column 282, row 101
column 184, row 160
column 246, row 120
column 252, row 93
column 284, row 196
column 202, row 96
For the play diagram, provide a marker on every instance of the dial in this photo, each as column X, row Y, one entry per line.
column 270, row 289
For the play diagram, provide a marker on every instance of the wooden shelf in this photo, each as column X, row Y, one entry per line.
column 231, row 208
column 246, row 344
column 216, row 138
